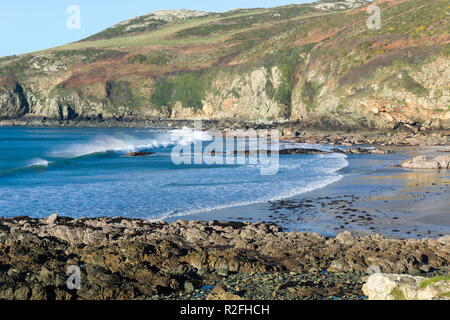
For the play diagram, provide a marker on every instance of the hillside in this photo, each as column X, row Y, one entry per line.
column 317, row 63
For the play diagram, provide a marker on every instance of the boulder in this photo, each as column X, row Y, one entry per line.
column 188, row 286
column 345, row 238
column 422, row 162
column 52, row 219
column 381, row 286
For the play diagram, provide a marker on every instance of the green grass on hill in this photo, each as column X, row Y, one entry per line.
column 246, row 21
column 170, row 34
column 157, row 37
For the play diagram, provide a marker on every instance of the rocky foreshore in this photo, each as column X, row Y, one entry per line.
column 136, row 259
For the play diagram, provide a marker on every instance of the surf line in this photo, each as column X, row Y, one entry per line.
column 231, row 149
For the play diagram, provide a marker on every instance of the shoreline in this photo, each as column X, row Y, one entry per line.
column 373, row 196
column 295, row 131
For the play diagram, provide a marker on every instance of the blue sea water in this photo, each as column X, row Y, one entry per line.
column 82, row 172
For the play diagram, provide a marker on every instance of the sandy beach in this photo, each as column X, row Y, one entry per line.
column 373, row 196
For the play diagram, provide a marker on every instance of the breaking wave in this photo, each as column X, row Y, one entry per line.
column 124, row 143
column 38, row 163
column 326, row 175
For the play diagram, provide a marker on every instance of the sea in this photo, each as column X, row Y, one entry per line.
column 85, row 172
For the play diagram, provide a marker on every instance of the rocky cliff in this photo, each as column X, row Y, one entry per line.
column 316, row 63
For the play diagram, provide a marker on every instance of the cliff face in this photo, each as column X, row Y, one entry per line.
column 318, row 63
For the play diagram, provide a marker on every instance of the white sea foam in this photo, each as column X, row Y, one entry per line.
column 336, row 163
column 290, row 194
column 187, row 136
column 125, row 143
column 37, row 163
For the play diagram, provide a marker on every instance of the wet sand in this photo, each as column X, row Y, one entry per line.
column 374, row 196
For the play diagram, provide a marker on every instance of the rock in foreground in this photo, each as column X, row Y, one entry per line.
column 136, row 259
column 404, row 287
column 422, row 162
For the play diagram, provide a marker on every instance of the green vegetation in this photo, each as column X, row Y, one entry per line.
column 283, row 94
column 340, row 108
column 36, row 64
column 412, row 85
column 17, row 67
column 287, row 65
column 119, row 92
column 159, row 58
column 398, row 294
column 89, row 55
column 163, row 94
column 445, row 294
column 241, row 12
column 400, row 23
column 446, row 49
column 159, row 36
column 434, row 280
column 287, row 62
column 140, row 58
column 187, row 88
column 85, row 92
column 169, row 34
column 310, row 90
column 366, row 67
column 61, row 91
column 265, row 33
column 190, row 90
column 136, row 25
column 246, row 21
column 416, row 18
column 6, row 58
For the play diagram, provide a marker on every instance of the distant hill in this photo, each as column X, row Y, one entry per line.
column 318, row 63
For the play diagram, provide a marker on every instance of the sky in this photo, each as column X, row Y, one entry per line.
column 28, row 26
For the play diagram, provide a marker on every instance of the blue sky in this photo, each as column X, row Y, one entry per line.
column 27, row 26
